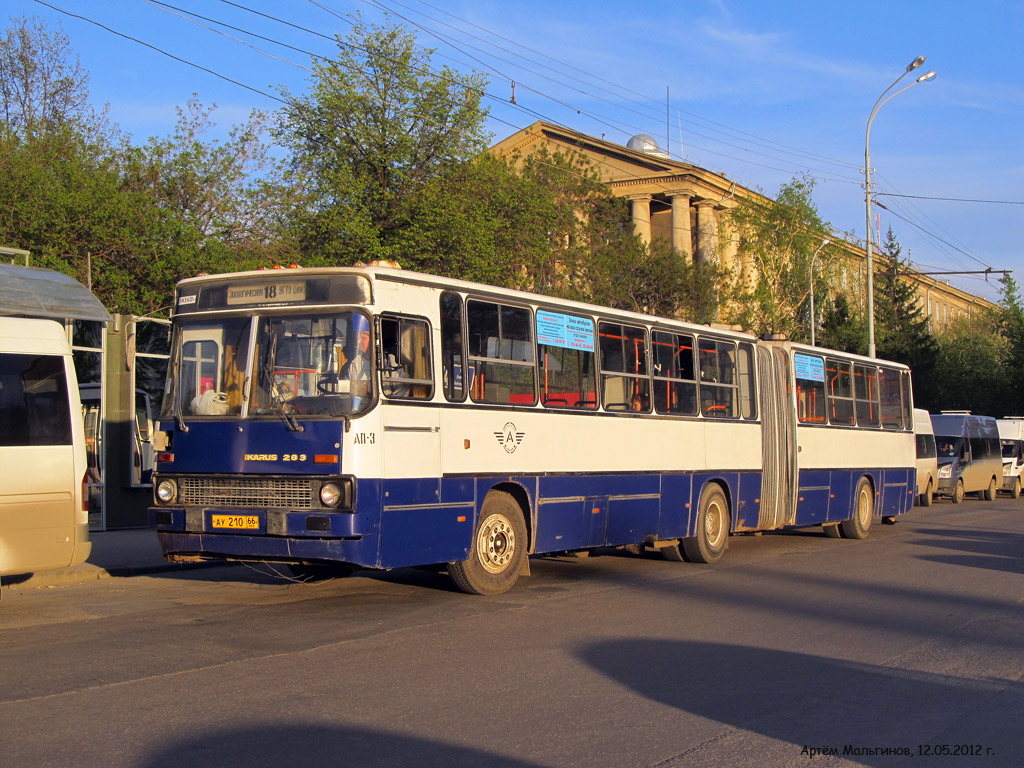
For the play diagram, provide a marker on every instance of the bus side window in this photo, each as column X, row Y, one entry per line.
column 866, row 391
column 453, row 371
column 839, row 392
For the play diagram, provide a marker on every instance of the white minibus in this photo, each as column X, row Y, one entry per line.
column 1011, row 438
column 43, row 520
column 927, row 463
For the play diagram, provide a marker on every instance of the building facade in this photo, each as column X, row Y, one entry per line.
column 690, row 207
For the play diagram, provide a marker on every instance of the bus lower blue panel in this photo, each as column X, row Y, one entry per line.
column 632, row 520
column 567, row 525
column 425, row 535
column 840, row 503
column 674, row 520
column 895, row 492
column 357, row 551
column 812, row 503
column 416, row 490
column 748, row 500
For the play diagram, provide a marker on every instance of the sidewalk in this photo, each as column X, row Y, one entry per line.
column 133, row 552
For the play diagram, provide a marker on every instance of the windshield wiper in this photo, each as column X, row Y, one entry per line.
column 276, row 402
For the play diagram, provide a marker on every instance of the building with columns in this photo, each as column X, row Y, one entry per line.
column 689, row 207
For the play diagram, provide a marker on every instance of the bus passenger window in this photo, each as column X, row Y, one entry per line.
column 718, row 387
column 839, row 392
column 748, row 385
column 453, row 371
column 624, row 367
column 405, row 358
column 865, row 381
column 501, row 353
column 566, row 354
column 809, row 372
column 891, row 401
column 675, row 373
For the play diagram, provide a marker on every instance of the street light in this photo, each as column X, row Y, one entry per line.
column 867, row 185
column 824, row 242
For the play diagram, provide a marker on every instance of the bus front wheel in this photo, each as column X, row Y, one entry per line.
column 990, row 492
column 712, row 537
column 1015, row 490
column 858, row 526
column 958, row 492
column 499, row 549
column 926, row 497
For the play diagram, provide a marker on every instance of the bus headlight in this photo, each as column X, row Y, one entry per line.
column 945, row 469
column 330, row 494
column 337, row 493
column 166, row 491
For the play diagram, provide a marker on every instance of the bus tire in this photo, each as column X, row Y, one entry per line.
column 989, row 493
column 958, row 492
column 712, row 537
column 926, row 497
column 498, row 551
column 832, row 531
column 1015, row 490
column 674, row 553
column 859, row 525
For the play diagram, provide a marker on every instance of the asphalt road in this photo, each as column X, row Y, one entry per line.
column 903, row 649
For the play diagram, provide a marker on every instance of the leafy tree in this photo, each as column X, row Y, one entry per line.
column 42, row 85
column 377, row 126
column 778, row 239
column 901, row 325
column 843, row 327
column 1011, row 327
column 970, row 372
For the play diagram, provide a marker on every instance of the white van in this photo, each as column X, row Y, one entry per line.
column 1011, row 439
column 43, row 519
column 927, row 463
column 969, row 455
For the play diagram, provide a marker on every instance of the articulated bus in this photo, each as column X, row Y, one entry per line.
column 373, row 417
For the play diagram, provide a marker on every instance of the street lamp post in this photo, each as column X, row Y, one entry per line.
column 824, row 242
column 867, row 186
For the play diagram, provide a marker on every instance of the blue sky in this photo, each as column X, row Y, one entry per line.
column 759, row 91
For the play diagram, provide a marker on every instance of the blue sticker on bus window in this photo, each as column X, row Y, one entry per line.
column 557, row 330
column 809, row 368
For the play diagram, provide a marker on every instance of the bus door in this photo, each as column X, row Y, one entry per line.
column 778, row 440
column 413, row 522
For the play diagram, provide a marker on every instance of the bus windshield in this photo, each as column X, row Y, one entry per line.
column 297, row 365
column 1011, row 449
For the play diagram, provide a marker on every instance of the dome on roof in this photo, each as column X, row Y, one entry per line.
column 646, row 144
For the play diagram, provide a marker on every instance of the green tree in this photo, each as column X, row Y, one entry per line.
column 843, row 327
column 1011, row 326
column 901, row 325
column 377, row 126
column 778, row 239
column 970, row 372
column 42, row 84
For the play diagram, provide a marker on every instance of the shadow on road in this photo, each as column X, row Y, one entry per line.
column 303, row 744
column 813, row 701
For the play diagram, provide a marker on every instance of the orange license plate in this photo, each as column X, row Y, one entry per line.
column 236, row 522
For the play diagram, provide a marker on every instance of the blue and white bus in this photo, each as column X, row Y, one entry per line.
column 374, row 417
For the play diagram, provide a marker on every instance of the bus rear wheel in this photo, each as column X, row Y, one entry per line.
column 858, row 526
column 712, row 537
column 498, row 551
column 990, row 492
column 1015, row 490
